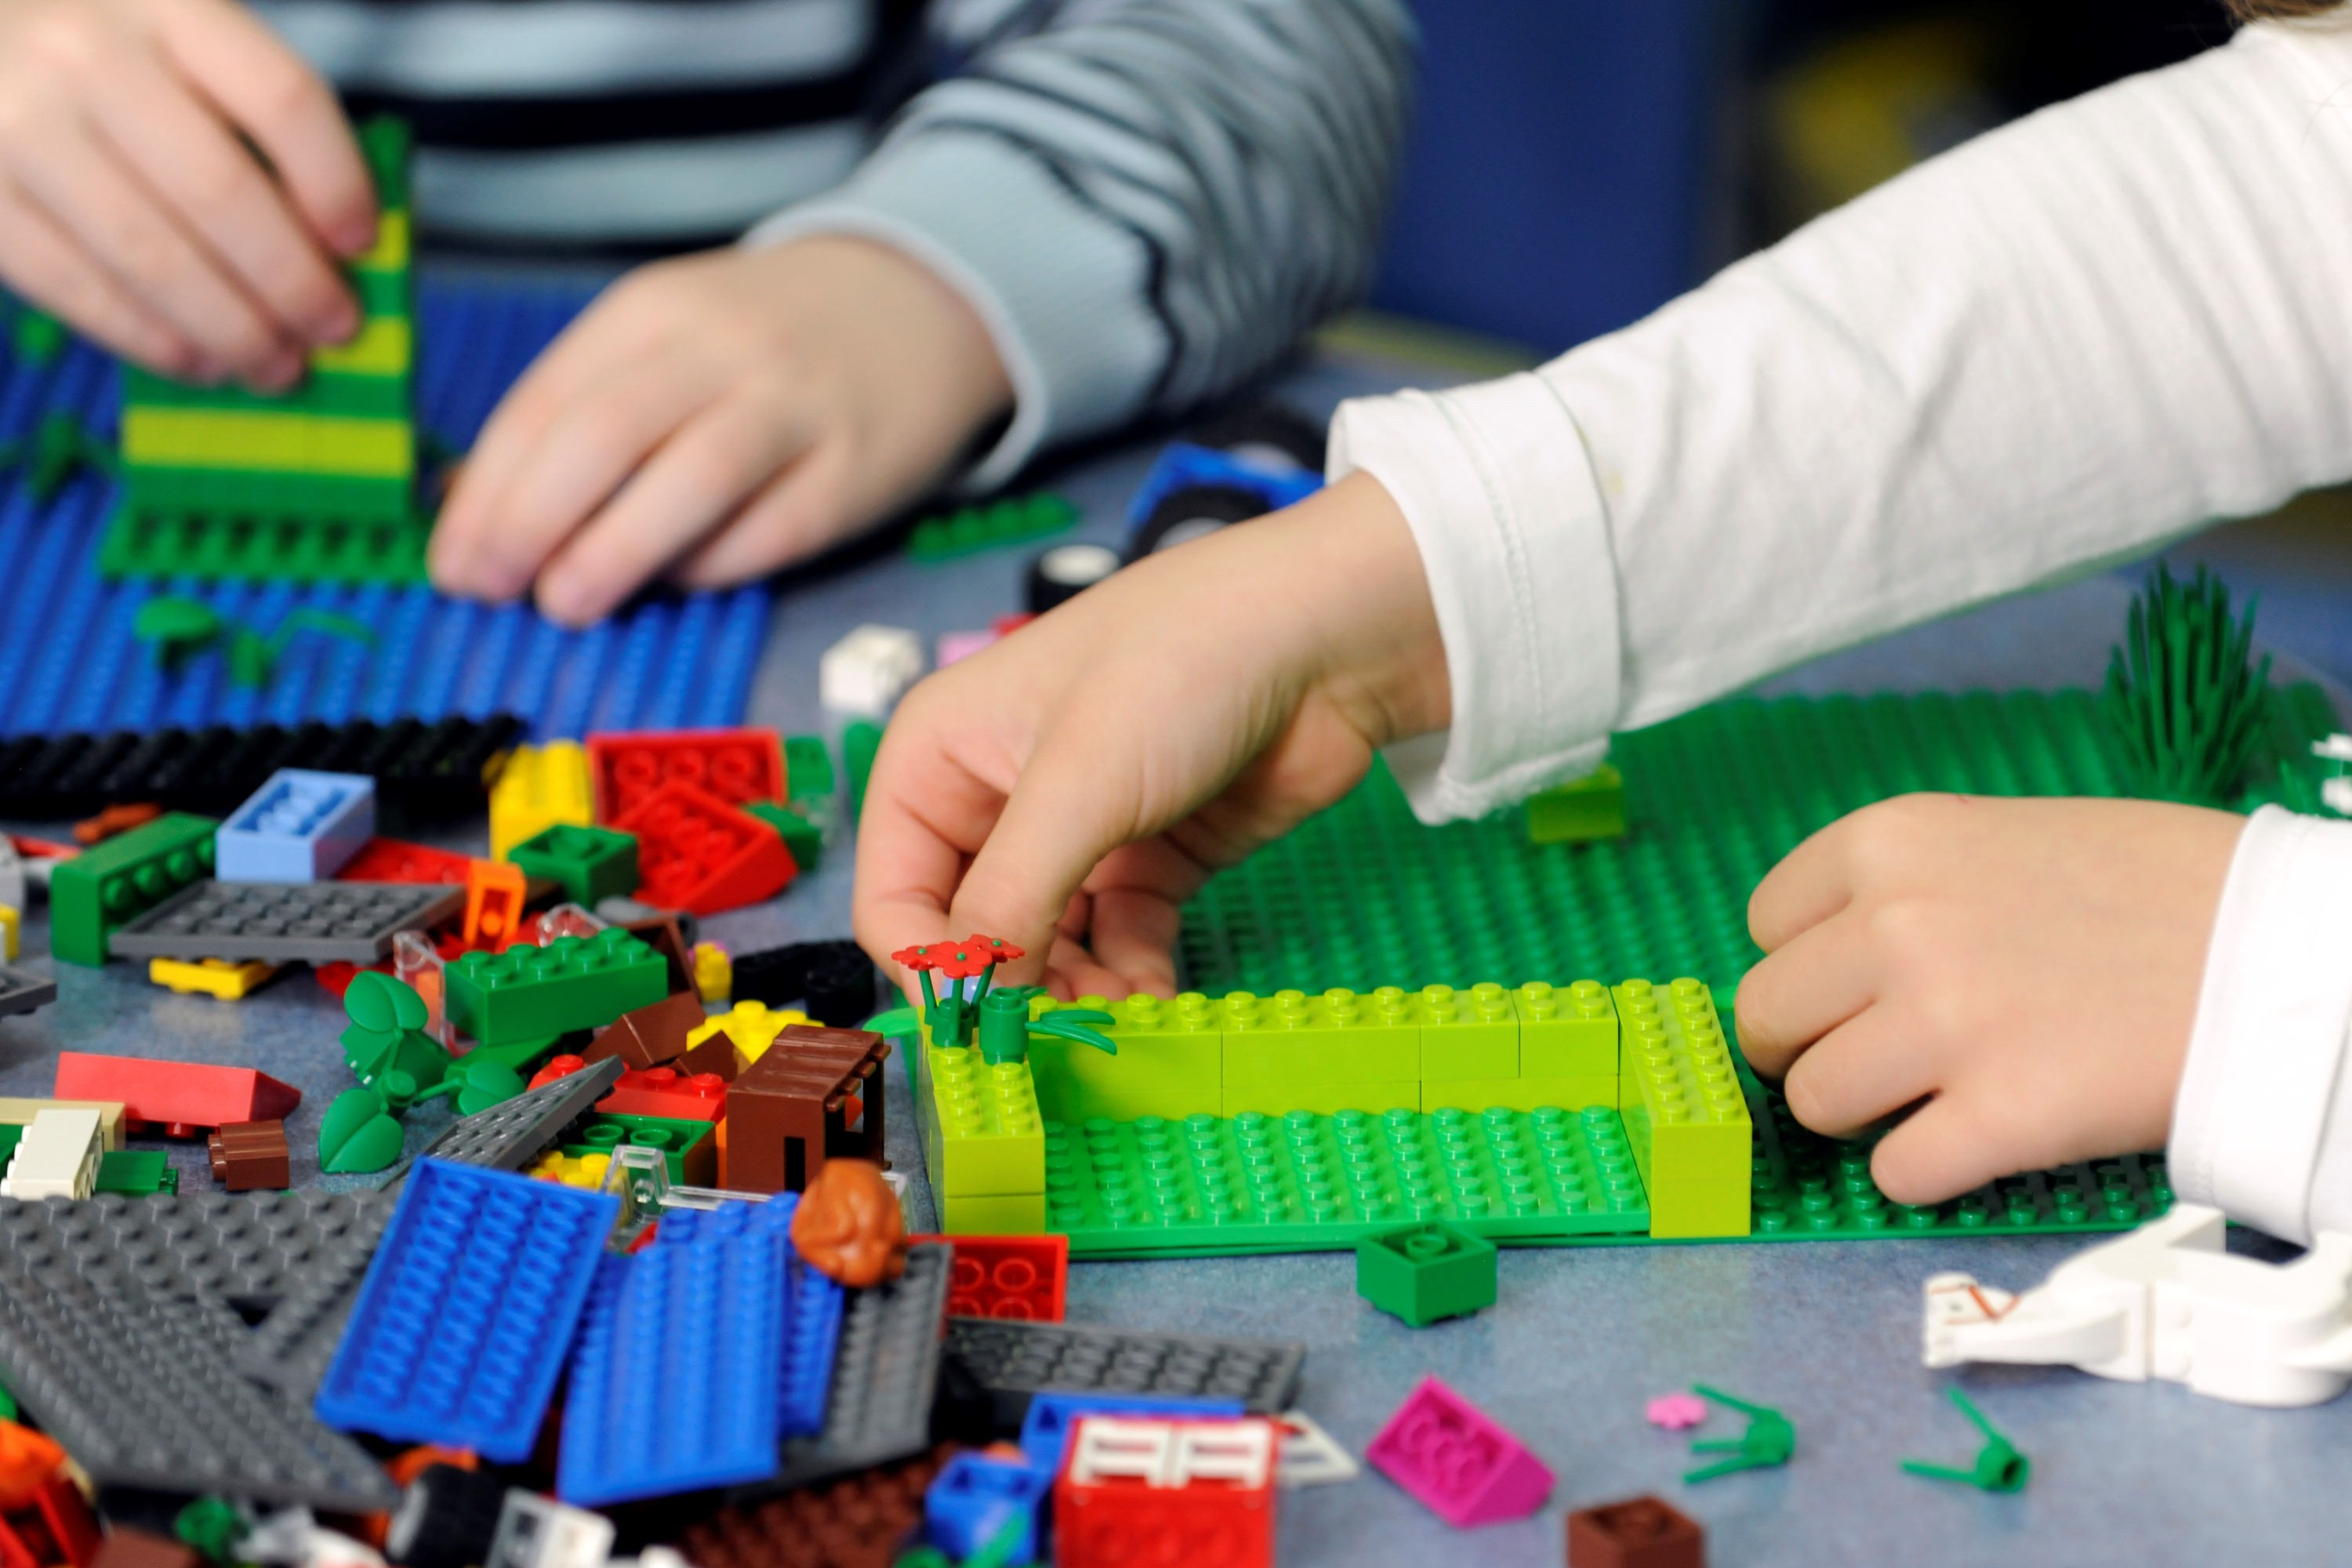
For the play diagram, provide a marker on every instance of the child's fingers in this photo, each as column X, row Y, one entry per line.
column 923, row 816
column 1943, row 1149
column 1811, row 883
column 1861, row 1072
column 280, row 102
column 41, row 261
column 800, row 513
column 1812, row 984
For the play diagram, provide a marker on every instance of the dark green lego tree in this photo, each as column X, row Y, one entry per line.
column 2184, row 702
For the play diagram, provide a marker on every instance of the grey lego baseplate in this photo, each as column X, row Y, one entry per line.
column 143, row 1390
column 1013, row 1360
column 886, row 1371
column 21, row 993
column 511, row 1135
column 248, row 1249
column 291, row 1348
column 284, row 922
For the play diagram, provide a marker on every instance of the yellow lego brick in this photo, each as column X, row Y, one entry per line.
column 382, row 346
column 10, row 923
column 389, row 252
column 1338, row 1037
column 20, row 1113
column 714, row 973
column 571, row 1170
column 992, row 1140
column 1518, row 1093
column 1020, row 1214
column 214, row 977
column 1324, row 1099
column 1471, row 1034
column 265, row 441
column 540, row 787
column 752, row 1025
column 1705, row 1209
column 1169, row 1061
column 1568, row 1031
column 1683, row 1110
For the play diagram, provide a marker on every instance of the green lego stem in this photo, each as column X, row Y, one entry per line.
column 1726, row 1467
column 1072, row 1026
column 930, row 1002
column 1722, row 1398
column 1938, row 1472
column 1977, row 1417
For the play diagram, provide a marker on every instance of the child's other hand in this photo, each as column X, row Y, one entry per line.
column 2030, row 969
column 132, row 206
column 718, row 416
column 1070, row 787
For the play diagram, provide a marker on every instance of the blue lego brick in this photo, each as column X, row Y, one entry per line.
column 675, row 1378
column 301, row 827
column 68, row 661
column 467, row 1310
column 1046, row 1429
column 974, row 1497
column 1182, row 465
column 812, row 1333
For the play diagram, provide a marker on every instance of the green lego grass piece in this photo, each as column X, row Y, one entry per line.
column 1169, row 1061
column 1426, row 1273
column 1307, row 1182
column 808, row 768
column 990, row 1138
column 1364, row 895
column 592, row 863
column 1684, row 1110
column 1587, row 808
column 135, row 1173
column 1468, row 1034
column 802, row 838
column 111, row 884
column 1340, row 1039
column 215, row 548
column 690, row 1148
column 2184, row 700
column 573, row 982
column 970, row 529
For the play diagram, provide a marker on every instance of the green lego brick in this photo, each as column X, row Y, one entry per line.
column 1425, row 1273
column 313, row 500
column 970, row 529
column 860, row 739
column 1305, row 1183
column 1292, row 1040
column 384, row 291
column 134, row 1172
column 1169, row 1061
column 322, row 391
column 383, row 142
column 1471, row 1034
column 991, row 1140
column 1321, row 1099
column 217, row 548
column 11, row 1134
column 1021, row 1213
column 808, row 768
column 801, row 838
column 690, row 1148
column 1686, row 1112
column 1518, row 1093
column 1590, row 807
column 1364, row 895
column 107, row 886
column 573, row 982
column 1567, row 1031
column 592, row 863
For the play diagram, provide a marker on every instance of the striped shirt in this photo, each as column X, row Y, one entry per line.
column 1146, row 200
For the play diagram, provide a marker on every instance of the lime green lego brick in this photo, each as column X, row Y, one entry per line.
column 1518, row 1093
column 1567, row 1031
column 1471, row 1034
column 1684, row 1109
column 238, row 549
column 1703, row 1210
column 1587, row 808
column 1016, row 1213
column 1321, row 1099
column 1306, row 1183
column 1340, row 1036
column 271, row 441
column 573, row 983
column 592, row 863
column 383, row 349
column 1169, row 1061
column 989, row 1137
column 112, row 883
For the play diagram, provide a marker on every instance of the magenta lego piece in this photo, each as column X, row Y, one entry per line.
column 1440, row 1447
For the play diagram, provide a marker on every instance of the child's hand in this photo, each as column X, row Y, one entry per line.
column 2028, row 968
column 132, row 206
column 719, row 416
column 1071, row 786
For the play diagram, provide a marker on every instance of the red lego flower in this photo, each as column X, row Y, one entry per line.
column 918, row 958
column 999, row 950
column 962, row 961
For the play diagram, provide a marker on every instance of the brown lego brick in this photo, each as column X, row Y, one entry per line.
column 653, row 1035
column 1640, row 1532
column 858, row 1522
column 788, row 1113
column 249, row 1156
column 716, row 1055
column 661, row 934
column 127, row 1548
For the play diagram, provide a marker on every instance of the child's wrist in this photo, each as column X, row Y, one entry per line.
column 1366, row 595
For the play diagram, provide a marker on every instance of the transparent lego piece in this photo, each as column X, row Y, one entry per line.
column 417, row 965
column 565, row 920
column 640, row 1178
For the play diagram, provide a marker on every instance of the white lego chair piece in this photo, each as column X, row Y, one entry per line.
column 868, row 671
column 2166, row 1301
column 58, row 1156
column 1311, row 1456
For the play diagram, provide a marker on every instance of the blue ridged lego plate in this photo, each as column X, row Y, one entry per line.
column 68, row 662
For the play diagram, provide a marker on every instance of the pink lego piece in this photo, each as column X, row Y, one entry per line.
column 1468, row 1471
column 1676, row 1412
column 954, row 646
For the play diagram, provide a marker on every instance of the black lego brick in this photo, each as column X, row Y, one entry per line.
column 832, row 981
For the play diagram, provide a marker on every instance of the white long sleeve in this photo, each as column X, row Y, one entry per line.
column 2052, row 348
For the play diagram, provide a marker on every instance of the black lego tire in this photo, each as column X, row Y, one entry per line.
column 1061, row 573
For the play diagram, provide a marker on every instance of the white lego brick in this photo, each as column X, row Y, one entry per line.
column 14, row 892
column 867, row 672
column 538, row 1532
column 58, row 1156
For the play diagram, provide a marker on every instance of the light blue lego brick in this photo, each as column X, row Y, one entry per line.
column 680, row 1357
column 1046, row 1430
column 466, row 1314
column 301, row 827
column 971, row 1501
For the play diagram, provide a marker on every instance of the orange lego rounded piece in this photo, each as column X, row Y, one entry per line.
column 848, row 1226
column 27, row 1461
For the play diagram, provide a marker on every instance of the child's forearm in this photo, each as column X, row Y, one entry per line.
column 2057, row 345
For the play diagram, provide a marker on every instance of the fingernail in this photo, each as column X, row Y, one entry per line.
column 337, row 323
column 282, row 371
column 355, row 237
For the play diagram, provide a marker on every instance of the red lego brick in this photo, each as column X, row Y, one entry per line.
column 251, row 1156
column 698, row 853
column 1640, row 1532
column 660, row 1091
column 733, row 765
column 395, row 860
column 180, row 1097
column 1166, row 1491
column 1021, row 1277
column 653, row 1035
column 556, row 1068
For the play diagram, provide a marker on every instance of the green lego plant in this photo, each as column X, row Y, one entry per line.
column 997, row 1021
column 1998, row 1467
column 39, row 337
column 1770, row 1439
column 2183, row 702
column 181, row 628
column 398, row 1065
column 57, row 449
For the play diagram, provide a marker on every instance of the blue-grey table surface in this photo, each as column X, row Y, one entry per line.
column 1582, row 1338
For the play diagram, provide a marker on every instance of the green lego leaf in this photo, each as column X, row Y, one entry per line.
column 356, row 1136
column 178, row 626
column 1072, row 1026
column 213, row 1526
column 481, row 1082
column 897, row 1021
column 376, row 1001
column 40, row 337
column 249, row 660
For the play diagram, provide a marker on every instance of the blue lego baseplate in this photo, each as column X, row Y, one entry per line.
column 466, row 1316
column 68, row 661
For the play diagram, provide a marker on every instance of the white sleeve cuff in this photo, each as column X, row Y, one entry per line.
column 1062, row 291
column 2257, row 1114
column 1495, row 484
